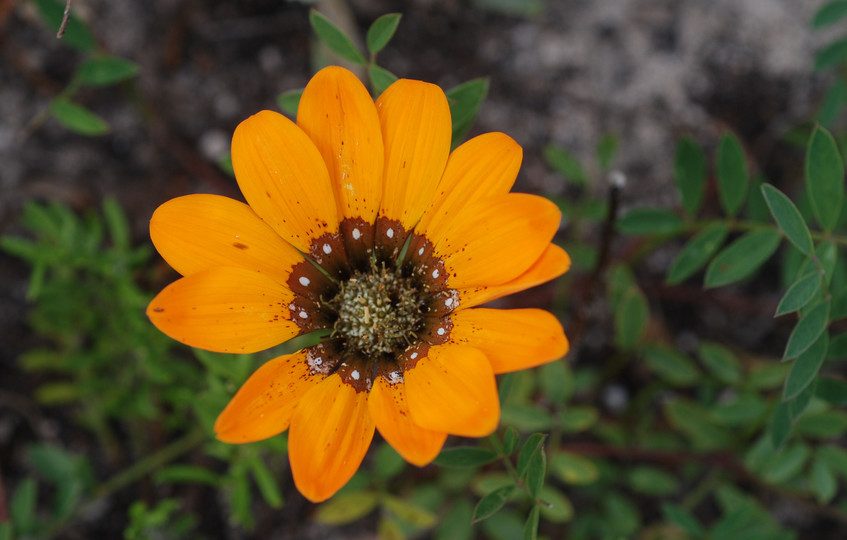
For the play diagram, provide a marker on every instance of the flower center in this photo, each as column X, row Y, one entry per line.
column 378, row 311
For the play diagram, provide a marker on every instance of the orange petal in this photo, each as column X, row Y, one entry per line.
column 496, row 239
column 338, row 114
column 387, row 405
column 453, row 390
column 481, row 167
column 416, row 130
column 512, row 339
column 553, row 263
column 329, row 436
column 284, row 178
column 196, row 232
column 225, row 309
column 264, row 405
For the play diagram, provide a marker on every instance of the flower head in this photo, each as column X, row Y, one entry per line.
column 362, row 224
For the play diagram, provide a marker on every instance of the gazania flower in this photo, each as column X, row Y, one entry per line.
column 363, row 225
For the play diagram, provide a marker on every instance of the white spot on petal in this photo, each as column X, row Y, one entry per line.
column 356, row 234
column 304, row 281
column 441, row 331
column 420, row 251
column 435, row 274
column 318, row 361
column 304, row 315
column 448, row 302
column 355, row 374
column 389, row 233
column 327, row 249
column 413, row 356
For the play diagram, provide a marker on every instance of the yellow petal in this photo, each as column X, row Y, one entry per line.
column 284, row 178
column 553, row 263
column 329, row 436
column 496, row 239
column 512, row 339
column 481, row 167
column 416, row 130
column 225, row 309
column 453, row 390
column 338, row 114
column 197, row 232
column 264, row 405
column 388, row 408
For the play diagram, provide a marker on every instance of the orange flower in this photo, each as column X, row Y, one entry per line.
column 362, row 223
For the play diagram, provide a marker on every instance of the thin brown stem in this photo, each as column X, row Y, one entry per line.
column 65, row 18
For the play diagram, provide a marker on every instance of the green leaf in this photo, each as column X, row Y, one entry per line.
column 807, row 330
column 117, row 223
column 607, row 149
column 573, row 469
column 697, row 252
column 799, row 404
column 799, row 294
column 652, row 481
column 831, row 55
column 510, row 440
column 387, row 462
column 683, row 518
column 186, row 474
column 835, row 457
column 530, row 528
column 22, row 508
column 785, row 465
column 690, row 174
column 732, row 173
column 565, row 164
column 823, row 482
column 558, row 508
column 830, row 13
column 631, row 315
column 347, row 507
column 742, row 257
column 535, row 472
column 266, row 481
column 789, row 219
column 534, row 443
column 806, row 367
column 289, row 101
column 409, row 512
column 77, row 34
column 832, row 391
column 456, row 525
column 832, row 103
column 334, row 38
column 823, row 425
column 643, row 221
column 781, row 424
column 465, row 101
column 671, row 365
column 381, row 31
column 697, row 424
column 824, row 177
column 576, row 419
column 720, row 362
column 380, row 78
column 491, row 503
column 105, row 70
column 526, row 417
column 77, row 118
column 744, row 409
column 465, row 456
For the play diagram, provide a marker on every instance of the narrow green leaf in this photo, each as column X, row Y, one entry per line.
column 187, row 474
column 573, row 469
column 743, row 409
column 465, row 456
column 491, row 503
column 652, row 481
column 643, row 221
column 526, row 417
column 266, row 481
column 381, row 31
column 807, row 330
column 465, row 101
column 823, row 425
column 830, row 13
column 347, row 507
column 532, row 446
column 558, row 508
column 289, row 101
column 732, row 173
column 22, row 507
column 510, row 440
column 832, row 391
column 334, row 38
column 690, row 174
column 823, row 482
column 565, row 164
column 117, row 223
column 787, row 464
column 799, row 294
column 683, row 518
column 387, row 462
column 781, row 424
column 77, row 34
column 409, row 512
column 835, row 457
column 720, row 361
column 799, row 404
column 824, row 177
column 607, row 150
column 697, row 252
column 696, row 422
column 380, row 78
column 789, row 219
column 530, row 528
column 742, row 257
column 456, row 525
column 77, row 118
column 105, row 70
column 672, row 366
column 535, row 472
column 832, row 103
column 831, row 55
column 806, row 367
column 631, row 316
column 576, row 419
